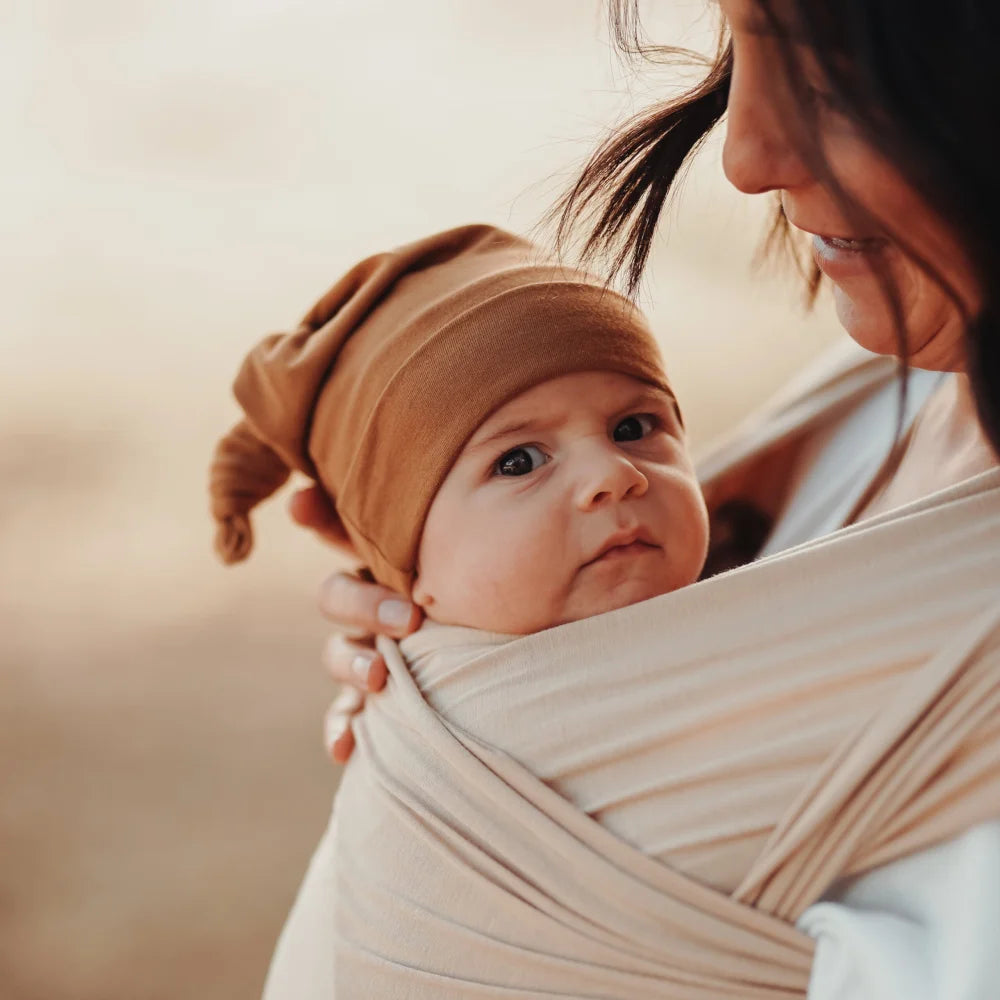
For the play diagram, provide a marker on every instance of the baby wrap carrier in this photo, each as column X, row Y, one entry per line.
column 641, row 804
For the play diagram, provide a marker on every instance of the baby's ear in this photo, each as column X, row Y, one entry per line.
column 420, row 595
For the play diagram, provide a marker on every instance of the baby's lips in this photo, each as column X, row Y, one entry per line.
column 621, row 538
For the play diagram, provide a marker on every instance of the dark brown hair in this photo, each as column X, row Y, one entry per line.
column 920, row 81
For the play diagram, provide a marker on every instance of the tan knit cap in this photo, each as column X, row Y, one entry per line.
column 380, row 386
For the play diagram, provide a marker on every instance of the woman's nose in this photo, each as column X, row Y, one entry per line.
column 609, row 479
column 759, row 154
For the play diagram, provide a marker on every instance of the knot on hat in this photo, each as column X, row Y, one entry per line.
column 244, row 471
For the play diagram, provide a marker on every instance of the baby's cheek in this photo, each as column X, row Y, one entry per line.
column 480, row 584
column 510, row 576
column 518, row 587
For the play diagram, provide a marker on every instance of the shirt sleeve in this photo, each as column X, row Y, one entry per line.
column 926, row 927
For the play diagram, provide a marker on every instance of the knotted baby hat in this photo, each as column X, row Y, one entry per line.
column 382, row 383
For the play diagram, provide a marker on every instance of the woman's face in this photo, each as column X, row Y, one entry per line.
column 762, row 153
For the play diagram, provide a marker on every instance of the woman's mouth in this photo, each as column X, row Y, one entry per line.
column 838, row 257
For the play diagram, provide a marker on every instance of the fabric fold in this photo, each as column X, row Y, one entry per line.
column 457, row 861
column 641, row 804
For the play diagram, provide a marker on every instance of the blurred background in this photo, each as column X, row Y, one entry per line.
column 180, row 178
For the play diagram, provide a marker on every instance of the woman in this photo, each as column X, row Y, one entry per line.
column 866, row 117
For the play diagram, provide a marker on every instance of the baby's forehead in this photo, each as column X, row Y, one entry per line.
column 597, row 393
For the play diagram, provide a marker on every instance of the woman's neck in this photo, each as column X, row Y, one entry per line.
column 946, row 446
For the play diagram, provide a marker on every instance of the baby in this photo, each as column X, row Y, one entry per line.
column 502, row 446
column 495, row 430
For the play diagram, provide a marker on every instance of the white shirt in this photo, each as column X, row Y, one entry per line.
column 926, row 927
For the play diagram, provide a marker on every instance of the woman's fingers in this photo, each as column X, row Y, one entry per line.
column 364, row 608
column 361, row 608
column 356, row 664
column 337, row 735
column 311, row 508
column 360, row 668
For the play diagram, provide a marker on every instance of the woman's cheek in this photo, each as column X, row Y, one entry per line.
column 927, row 311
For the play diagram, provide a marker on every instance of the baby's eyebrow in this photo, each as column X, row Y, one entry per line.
column 648, row 396
column 515, row 427
column 654, row 396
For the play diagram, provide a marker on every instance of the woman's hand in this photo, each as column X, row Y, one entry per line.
column 361, row 610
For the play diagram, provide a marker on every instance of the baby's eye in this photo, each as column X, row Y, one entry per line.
column 520, row 461
column 634, row 428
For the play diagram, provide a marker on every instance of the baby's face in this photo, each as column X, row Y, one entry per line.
column 574, row 498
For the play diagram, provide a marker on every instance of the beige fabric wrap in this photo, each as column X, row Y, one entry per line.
column 379, row 387
column 834, row 707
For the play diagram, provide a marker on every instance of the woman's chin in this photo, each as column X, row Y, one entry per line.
column 867, row 318
column 933, row 328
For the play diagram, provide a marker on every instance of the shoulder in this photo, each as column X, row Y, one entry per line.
column 747, row 475
column 837, row 380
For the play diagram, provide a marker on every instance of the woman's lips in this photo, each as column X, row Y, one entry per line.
column 839, row 258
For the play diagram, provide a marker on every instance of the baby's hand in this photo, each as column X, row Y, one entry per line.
column 361, row 610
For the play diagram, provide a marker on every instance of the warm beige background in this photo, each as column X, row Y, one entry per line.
column 178, row 179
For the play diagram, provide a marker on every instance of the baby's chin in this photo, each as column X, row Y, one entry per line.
column 627, row 593
column 578, row 607
column 593, row 591
column 620, row 582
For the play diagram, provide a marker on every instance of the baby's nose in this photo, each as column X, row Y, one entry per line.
column 610, row 479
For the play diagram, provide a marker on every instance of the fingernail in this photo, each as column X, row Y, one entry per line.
column 348, row 702
column 395, row 614
column 360, row 667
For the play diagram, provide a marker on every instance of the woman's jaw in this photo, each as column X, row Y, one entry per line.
column 866, row 271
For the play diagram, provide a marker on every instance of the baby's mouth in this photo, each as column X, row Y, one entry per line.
column 622, row 552
column 622, row 546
